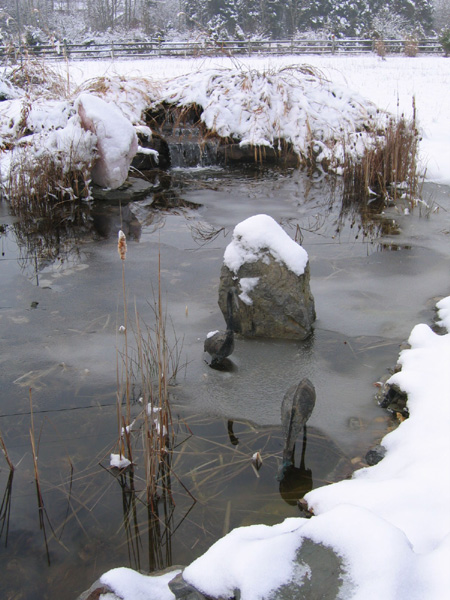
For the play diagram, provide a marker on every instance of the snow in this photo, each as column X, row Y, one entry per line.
column 257, row 101
column 259, row 108
column 255, row 559
column 247, row 284
column 118, row 461
column 258, row 236
column 116, row 139
column 390, row 84
column 130, row 585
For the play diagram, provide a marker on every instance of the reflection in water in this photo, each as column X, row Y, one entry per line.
column 52, row 231
column 5, row 508
column 295, row 482
column 233, row 439
column 48, row 231
column 151, row 527
column 204, row 233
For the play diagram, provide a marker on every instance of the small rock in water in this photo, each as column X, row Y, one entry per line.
column 374, row 455
column 183, row 590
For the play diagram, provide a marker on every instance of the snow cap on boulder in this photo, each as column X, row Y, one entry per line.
column 270, row 273
column 259, row 235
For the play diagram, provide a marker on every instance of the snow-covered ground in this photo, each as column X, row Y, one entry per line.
column 391, row 522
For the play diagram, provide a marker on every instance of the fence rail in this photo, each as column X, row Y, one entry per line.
column 160, row 48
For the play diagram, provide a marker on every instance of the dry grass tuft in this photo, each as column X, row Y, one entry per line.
column 149, row 364
column 36, row 77
column 36, row 178
column 411, row 47
column 390, row 159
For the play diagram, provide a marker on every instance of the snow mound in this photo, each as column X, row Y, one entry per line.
column 295, row 104
column 131, row 95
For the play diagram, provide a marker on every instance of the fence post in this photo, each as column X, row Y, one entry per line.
column 333, row 44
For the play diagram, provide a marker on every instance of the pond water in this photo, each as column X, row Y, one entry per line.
column 373, row 277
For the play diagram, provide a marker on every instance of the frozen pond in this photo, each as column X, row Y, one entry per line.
column 372, row 276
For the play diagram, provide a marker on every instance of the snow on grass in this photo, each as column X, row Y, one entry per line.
column 321, row 118
column 294, row 104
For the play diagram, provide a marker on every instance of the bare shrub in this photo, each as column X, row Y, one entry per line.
column 411, row 47
column 379, row 48
column 36, row 177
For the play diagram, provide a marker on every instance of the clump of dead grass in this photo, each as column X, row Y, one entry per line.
column 389, row 159
column 37, row 78
column 35, row 178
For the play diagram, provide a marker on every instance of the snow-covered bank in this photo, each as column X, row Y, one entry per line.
column 390, row 84
column 390, row 523
column 258, row 102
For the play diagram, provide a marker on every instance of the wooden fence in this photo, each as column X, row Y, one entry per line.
column 160, row 48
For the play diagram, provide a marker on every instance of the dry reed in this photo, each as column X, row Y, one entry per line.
column 5, row 506
column 153, row 366
column 40, row 500
column 36, row 177
column 389, row 159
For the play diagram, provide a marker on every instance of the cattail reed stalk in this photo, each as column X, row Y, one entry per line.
column 40, row 499
column 5, row 453
column 122, row 250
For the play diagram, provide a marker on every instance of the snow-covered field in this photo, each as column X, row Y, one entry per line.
column 391, row 522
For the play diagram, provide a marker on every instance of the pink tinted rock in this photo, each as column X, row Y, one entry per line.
column 117, row 141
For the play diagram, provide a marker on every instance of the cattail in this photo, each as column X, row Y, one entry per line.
column 122, row 245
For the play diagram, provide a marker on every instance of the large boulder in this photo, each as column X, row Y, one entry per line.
column 270, row 273
column 117, row 142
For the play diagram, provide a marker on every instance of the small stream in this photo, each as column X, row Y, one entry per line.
column 373, row 277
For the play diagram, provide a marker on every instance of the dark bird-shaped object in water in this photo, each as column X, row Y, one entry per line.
column 296, row 408
column 295, row 482
column 220, row 344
